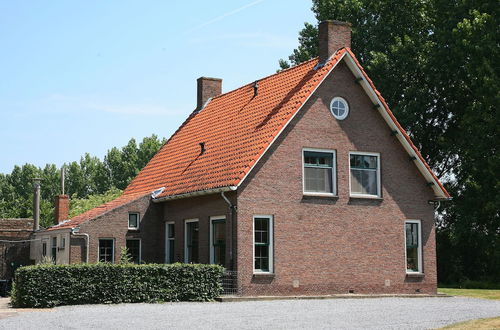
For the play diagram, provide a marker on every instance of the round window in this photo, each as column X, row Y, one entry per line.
column 339, row 108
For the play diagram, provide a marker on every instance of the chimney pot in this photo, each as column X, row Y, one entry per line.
column 61, row 211
column 207, row 88
column 332, row 35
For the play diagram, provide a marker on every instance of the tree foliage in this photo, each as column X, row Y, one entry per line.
column 436, row 63
column 90, row 181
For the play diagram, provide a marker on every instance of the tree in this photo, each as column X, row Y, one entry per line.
column 435, row 62
column 90, row 182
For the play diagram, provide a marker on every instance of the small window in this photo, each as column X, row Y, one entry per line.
column 63, row 243
column 263, row 244
column 319, row 173
column 170, row 243
column 218, row 241
column 133, row 221
column 365, row 174
column 339, row 108
column 44, row 249
column 54, row 249
column 134, row 250
column 191, row 254
column 413, row 246
column 106, row 250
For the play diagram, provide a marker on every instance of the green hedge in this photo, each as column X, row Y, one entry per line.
column 53, row 285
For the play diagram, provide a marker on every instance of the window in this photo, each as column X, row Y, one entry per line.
column 54, row 249
column 339, row 108
column 218, row 240
column 169, row 242
column 134, row 250
column 413, row 246
column 106, row 250
column 263, row 244
column 63, row 243
column 191, row 241
column 133, row 221
column 44, row 249
column 365, row 174
column 319, row 174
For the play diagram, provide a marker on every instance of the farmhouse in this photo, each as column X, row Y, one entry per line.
column 302, row 182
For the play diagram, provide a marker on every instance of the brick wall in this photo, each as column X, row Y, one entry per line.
column 332, row 245
column 114, row 224
column 14, row 254
column 201, row 208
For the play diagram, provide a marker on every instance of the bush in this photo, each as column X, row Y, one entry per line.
column 53, row 285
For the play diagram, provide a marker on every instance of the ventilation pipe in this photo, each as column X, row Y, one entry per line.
column 36, row 203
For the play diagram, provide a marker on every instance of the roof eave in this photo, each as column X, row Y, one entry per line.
column 195, row 193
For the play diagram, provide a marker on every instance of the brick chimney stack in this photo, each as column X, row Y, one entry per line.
column 332, row 36
column 61, row 212
column 207, row 88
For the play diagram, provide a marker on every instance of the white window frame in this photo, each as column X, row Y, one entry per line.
column 138, row 221
column 212, row 219
column 140, row 246
column 271, row 245
column 112, row 251
column 379, row 181
column 341, row 99
column 334, row 172
column 186, row 236
column 419, row 250
column 167, row 241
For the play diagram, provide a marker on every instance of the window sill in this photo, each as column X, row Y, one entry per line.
column 264, row 274
column 377, row 198
column 133, row 229
column 313, row 195
column 415, row 274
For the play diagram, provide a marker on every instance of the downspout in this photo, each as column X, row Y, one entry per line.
column 232, row 211
column 87, row 240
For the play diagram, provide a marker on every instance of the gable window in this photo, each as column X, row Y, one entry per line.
column 263, row 244
column 413, row 246
column 133, row 221
column 134, row 250
column 218, row 240
column 54, row 249
column 191, row 254
column 339, row 108
column 106, row 250
column 364, row 174
column 169, row 242
column 319, row 172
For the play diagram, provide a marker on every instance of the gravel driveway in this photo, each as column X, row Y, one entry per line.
column 374, row 313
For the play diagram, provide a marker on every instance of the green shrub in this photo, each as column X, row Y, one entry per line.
column 53, row 285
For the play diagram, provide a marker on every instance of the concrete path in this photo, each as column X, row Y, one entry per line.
column 372, row 313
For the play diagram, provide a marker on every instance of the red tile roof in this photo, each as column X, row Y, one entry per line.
column 236, row 129
column 98, row 211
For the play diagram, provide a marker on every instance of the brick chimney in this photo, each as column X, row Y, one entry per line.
column 332, row 36
column 61, row 212
column 207, row 88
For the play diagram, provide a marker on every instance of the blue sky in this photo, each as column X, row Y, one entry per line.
column 85, row 76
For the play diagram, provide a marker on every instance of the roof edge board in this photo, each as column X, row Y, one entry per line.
column 424, row 170
column 195, row 193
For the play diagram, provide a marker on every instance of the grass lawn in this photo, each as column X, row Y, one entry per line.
column 493, row 323
column 474, row 293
